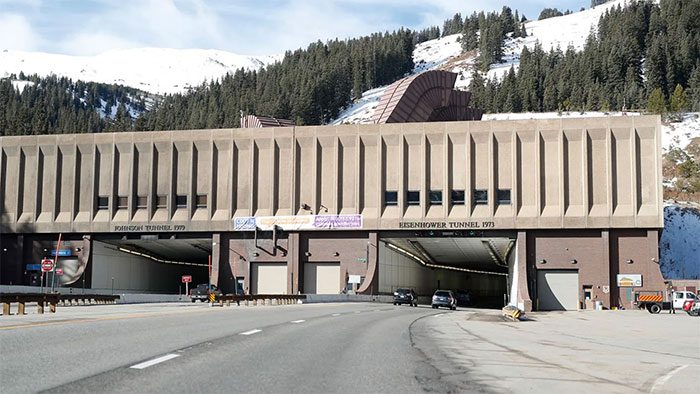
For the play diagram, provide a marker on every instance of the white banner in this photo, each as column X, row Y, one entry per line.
column 300, row 222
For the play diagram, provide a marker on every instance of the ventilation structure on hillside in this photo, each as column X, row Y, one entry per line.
column 254, row 121
column 426, row 97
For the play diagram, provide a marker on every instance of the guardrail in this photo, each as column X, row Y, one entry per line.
column 23, row 298
column 85, row 299
column 50, row 299
column 265, row 299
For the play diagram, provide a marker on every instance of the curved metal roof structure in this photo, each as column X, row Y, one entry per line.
column 425, row 97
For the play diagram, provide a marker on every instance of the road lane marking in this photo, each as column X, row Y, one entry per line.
column 251, row 332
column 336, row 314
column 358, row 311
column 662, row 380
column 439, row 314
column 297, row 321
column 155, row 361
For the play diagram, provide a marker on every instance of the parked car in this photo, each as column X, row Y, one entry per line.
column 201, row 292
column 692, row 307
column 464, row 298
column 405, row 296
column 444, row 298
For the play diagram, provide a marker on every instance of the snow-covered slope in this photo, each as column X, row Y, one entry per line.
column 155, row 70
column 445, row 53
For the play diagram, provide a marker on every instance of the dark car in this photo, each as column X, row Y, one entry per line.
column 444, row 298
column 464, row 298
column 202, row 293
column 405, row 296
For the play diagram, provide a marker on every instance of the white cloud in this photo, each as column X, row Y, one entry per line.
column 16, row 33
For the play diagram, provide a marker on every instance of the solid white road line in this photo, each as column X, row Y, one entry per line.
column 439, row 314
column 662, row 380
column 297, row 321
column 251, row 332
column 336, row 314
column 155, row 361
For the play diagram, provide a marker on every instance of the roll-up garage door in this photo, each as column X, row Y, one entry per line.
column 321, row 278
column 268, row 278
column 557, row 290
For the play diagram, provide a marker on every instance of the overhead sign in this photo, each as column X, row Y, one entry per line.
column 186, row 278
column 354, row 279
column 46, row 265
column 59, row 271
column 62, row 252
column 629, row 280
column 300, row 222
column 33, row 267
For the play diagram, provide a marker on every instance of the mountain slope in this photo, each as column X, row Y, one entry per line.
column 154, row 70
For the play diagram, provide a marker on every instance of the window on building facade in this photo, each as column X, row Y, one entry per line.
column 481, row 196
column 435, row 197
column 181, row 201
column 201, row 200
column 161, row 201
column 141, row 202
column 413, row 197
column 122, row 202
column 391, row 198
column 102, row 202
column 503, row 196
column 457, row 197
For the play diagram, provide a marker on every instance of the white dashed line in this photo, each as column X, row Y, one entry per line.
column 297, row 321
column 155, row 361
column 336, row 314
column 439, row 314
column 358, row 311
column 251, row 332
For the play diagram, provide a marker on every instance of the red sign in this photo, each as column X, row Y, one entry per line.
column 46, row 265
column 186, row 278
column 59, row 271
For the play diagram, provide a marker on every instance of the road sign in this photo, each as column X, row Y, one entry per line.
column 59, row 271
column 354, row 279
column 33, row 267
column 61, row 252
column 186, row 278
column 46, row 265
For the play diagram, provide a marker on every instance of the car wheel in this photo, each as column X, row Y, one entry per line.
column 655, row 308
column 434, row 306
column 193, row 300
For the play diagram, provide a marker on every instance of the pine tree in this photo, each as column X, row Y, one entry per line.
column 656, row 103
column 679, row 100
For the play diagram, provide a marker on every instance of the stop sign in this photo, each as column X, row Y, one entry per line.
column 186, row 278
column 46, row 265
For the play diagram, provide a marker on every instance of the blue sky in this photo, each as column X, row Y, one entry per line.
column 87, row 27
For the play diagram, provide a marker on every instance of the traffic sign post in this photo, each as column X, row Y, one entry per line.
column 46, row 266
column 186, row 279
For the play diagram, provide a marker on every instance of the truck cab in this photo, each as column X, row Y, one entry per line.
column 680, row 297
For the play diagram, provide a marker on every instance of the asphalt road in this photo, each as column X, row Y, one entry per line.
column 197, row 348
column 358, row 348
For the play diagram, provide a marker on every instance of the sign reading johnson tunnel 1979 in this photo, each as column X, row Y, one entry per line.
column 432, row 225
column 149, row 228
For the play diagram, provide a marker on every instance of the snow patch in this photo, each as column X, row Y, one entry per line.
column 20, row 85
column 679, row 134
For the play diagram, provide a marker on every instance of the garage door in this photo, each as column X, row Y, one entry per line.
column 557, row 290
column 268, row 278
column 322, row 278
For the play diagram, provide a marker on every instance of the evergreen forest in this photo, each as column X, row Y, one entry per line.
column 642, row 57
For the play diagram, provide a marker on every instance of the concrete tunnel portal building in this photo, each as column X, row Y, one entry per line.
column 547, row 212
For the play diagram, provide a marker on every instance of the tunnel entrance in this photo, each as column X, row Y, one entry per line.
column 149, row 263
column 474, row 265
